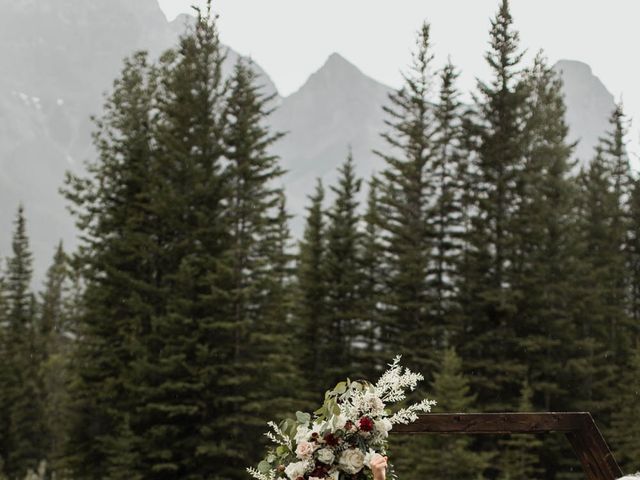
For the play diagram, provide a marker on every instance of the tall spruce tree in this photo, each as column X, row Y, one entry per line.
column 545, row 268
column 183, row 384
column 447, row 220
column 372, row 284
column 262, row 361
column 518, row 457
column 343, row 276
column 452, row 457
column 407, row 192
column 26, row 429
column 633, row 260
column 55, row 324
column 117, row 260
column 625, row 432
column 604, row 326
column 405, row 203
column 5, row 373
column 490, row 348
column 311, row 290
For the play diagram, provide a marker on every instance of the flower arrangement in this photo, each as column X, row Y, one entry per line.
column 342, row 437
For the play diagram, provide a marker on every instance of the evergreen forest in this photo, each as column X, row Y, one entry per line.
column 190, row 315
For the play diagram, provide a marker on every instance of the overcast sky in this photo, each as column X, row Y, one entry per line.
column 291, row 39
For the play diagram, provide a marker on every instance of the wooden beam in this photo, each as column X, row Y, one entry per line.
column 592, row 451
column 493, row 423
column 580, row 429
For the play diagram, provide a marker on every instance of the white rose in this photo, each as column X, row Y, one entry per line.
column 351, row 460
column 296, row 469
column 325, row 455
column 383, row 426
column 305, row 450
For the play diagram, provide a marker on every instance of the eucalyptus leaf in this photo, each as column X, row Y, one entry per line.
column 264, row 467
column 340, row 387
column 303, row 417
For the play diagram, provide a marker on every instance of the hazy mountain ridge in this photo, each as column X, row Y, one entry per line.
column 58, row 57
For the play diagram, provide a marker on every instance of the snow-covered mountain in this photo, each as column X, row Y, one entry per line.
column 58, row 57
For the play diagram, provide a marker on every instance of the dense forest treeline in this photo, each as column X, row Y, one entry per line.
column 188, row 318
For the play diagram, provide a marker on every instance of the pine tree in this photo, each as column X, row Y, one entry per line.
column 372, row 285
column 342, row 274
column 5, row 373
column 519, row 455
column 55, row 323
column 182, row 385
column 405, row 202
column 117, row 260
column 625, row 432
column 449, row 173
column 604, row 326
column 407, row 190
column 26, row 442
column 614, row 153
column 489, row 347
column 545, row 271
column 452, row 457
column 633, row 260
column 311, row 290
column 261, row 356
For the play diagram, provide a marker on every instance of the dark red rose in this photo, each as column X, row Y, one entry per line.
column 321, row 471
column 331, row 439
column 300, row 478
column 365, row 424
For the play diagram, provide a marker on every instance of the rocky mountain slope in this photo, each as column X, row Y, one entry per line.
column 58, row 57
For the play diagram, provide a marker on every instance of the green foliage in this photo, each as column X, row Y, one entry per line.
column 311, row 289
column 24, row 440
column 489, row 302
column 343, row 276
column 111, row 206
column 452, row 457
column 372, row 285
column 518, row 457
column 184, row 321
column 625, row 432
column 405, row 195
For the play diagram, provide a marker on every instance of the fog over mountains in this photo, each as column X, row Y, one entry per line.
column 58, row 57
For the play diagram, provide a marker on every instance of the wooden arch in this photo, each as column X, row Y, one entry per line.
column 579, row 427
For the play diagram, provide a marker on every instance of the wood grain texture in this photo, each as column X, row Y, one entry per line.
column 580, row 429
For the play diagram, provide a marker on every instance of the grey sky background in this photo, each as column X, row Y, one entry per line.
column 291, row 39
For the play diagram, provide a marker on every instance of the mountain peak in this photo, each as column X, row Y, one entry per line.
column 336, row 64
column 575, row 67
column 336, row 76
column 589, row 105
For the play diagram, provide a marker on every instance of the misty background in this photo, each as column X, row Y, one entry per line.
column 58, row 59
